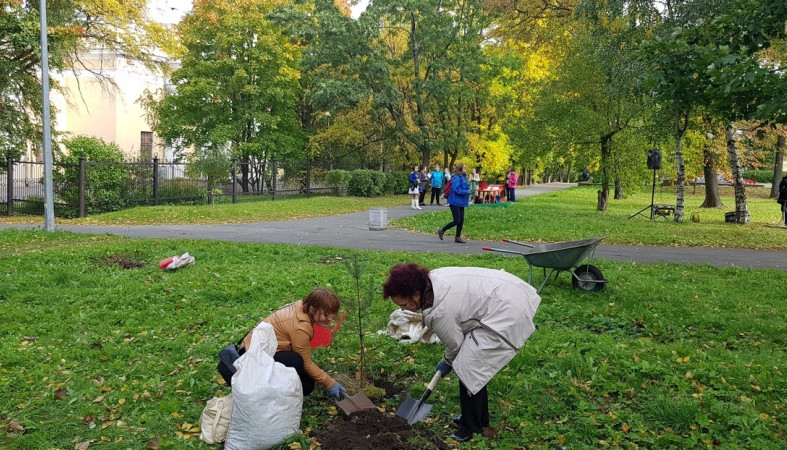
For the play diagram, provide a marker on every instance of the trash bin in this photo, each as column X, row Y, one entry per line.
column 378, row 219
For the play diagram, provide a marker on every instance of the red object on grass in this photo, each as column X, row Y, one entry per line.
column 165, row 262
column 323, row 336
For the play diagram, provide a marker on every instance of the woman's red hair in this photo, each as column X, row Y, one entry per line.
column 404, row 280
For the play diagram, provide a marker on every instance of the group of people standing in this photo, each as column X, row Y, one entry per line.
column 463, row 192
column 421, row 180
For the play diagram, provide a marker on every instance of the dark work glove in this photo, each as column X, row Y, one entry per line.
column 444, row 368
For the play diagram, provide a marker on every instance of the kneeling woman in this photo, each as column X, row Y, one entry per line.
column 294, row 328
column 483, row 316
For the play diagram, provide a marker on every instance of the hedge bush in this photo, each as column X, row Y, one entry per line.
column 366, row 183
column 338, row 178
column 397, row 182
column 106, row 179
column 760, row 176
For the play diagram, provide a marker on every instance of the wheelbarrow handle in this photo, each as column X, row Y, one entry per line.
column 519, row 243
column 502, row 250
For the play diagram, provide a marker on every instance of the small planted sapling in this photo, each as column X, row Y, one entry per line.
column 356, row 269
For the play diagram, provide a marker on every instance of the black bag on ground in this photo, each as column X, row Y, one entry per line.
column 227, row 357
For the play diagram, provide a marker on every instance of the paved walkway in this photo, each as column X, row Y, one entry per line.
column 352, row 231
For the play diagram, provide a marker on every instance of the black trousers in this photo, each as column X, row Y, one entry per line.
column 436, row 195
column 294, row 360
column 475, row 409
column 458, row 214
column 421, row 196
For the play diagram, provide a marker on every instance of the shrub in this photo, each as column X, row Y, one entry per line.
column 366, row 183
column 106, row 179
column 760, row 176
column 396, row 182
column 338, row 178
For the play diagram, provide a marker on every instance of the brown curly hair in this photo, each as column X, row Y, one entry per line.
column 404, row 280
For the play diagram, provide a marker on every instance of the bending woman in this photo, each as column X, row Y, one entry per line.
column 294, row 328
column 483, row 317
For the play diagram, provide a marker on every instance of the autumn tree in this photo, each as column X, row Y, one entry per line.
column 121, row 29
column 236, row 90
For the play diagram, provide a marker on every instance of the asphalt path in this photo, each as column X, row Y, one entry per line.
column 352, row 231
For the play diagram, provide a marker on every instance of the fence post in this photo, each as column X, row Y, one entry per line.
column 308, row 177
column 81, row 186
column 155, row 181
column 234, row 180
column 10, row 189
column 275, row 173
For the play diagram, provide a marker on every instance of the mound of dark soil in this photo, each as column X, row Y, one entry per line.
column 373, row 429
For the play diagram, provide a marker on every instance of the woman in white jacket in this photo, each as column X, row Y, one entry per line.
column 483, row 316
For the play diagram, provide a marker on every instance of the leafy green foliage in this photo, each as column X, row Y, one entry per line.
column 760, row 176
column 237, row 86
column 396, row 182
column 338, row 178
column 106, row 185
column 366, row 183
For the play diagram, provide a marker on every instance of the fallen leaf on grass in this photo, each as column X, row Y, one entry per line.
column 15, row 427
column 625, row 427
column 84, row 445
column 88, row 420
column 154, row 444
column 61, row 393
column 99, row 399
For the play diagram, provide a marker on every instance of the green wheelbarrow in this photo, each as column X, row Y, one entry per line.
column 561, row 257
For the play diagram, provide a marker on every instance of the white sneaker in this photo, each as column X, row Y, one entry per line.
column 418, row 207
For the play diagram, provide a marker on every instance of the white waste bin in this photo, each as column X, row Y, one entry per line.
column 378, row 219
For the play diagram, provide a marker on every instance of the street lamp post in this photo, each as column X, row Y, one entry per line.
column 49, row 202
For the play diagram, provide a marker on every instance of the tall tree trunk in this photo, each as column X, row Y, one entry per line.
column 778, row 163
column 681, row 125
column 618, row 189
column 603, row 194
column 741, row 211
column 712, row 197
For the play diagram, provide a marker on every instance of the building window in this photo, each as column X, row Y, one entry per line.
column 146, row 145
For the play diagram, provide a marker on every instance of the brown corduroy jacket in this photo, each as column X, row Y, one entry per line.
column 294, row 331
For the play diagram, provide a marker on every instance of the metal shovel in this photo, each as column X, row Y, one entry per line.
column 412, row 410
column 357, row 402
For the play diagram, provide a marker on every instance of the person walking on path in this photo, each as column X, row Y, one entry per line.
column 482, row 316
column 457, row 200
column 437, row 184
column 511, row 180
column 423, row 185
column 474, row 180
column 783, row 200
column 413, row 191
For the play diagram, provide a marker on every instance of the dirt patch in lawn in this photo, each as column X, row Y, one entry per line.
column 373, row 429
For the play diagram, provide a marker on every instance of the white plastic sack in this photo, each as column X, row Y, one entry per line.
column 215, row 420
column 268, row 397
column 407, row 327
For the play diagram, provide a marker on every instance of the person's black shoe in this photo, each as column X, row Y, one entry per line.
column 461, row 436
column 440, row 233
column 459, row 240
column 456, row 420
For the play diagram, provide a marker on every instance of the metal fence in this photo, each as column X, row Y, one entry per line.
column 97, row 187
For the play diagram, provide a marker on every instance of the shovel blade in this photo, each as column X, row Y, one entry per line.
column 412, row 412
column 357, row 402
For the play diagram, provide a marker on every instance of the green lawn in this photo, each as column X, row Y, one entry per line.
column 666, row 356
column 571, row 214
column 243, row 212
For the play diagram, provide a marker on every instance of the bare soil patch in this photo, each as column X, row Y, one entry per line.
column 373, row 429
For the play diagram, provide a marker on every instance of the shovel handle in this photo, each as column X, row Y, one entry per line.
column 435, row 379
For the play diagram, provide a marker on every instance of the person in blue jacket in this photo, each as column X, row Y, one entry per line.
column 457, row 200
column 437, row 184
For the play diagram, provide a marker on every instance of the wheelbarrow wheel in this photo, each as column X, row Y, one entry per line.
column 586, row 277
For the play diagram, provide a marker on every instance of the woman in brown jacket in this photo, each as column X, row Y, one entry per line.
column 294, row 328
